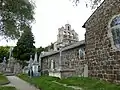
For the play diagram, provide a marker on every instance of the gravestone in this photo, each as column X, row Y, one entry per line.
column 85, row 74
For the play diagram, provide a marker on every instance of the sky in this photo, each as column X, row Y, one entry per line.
column 53, row 14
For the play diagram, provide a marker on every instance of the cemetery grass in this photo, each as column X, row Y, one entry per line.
column 46, row 83
column 3, row 79
column 7, row 88
column 89, row 83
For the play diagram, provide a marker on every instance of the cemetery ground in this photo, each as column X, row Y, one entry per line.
column 71, row 83
column 3, row 81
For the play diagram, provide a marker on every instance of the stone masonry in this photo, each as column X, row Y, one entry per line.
column 102, row 58
column 66, row 61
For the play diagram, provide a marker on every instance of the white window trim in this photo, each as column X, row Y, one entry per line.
column 110, row 36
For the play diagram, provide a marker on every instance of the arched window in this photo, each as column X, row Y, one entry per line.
column 65, row 33
column 115, row 30
column 52, row 64
column 68, row 28
column 81, row 53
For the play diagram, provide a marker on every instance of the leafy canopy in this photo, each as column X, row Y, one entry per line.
column 4, row 52
column 15, row 15
column 92, row 3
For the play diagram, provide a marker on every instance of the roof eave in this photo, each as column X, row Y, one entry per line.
column 92, row 14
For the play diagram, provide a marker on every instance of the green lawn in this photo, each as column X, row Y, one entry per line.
column 89, row 83
column 46, row 83
column 7, row 88
column 3, row 79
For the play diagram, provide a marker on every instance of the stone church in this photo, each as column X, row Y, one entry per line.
column 102, row 41
column 67, row 58
column 96, row 56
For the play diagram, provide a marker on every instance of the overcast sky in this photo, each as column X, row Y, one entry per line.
column 53, row 14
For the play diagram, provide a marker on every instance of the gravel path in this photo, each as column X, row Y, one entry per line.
column 20, row 84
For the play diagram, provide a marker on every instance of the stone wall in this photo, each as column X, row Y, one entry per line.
column 46, row 63
column 103, row 60
column 11, row 67
column 71, row 60
column 70, row 63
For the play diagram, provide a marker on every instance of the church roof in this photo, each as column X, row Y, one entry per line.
column 80, row 43
column 93, row 13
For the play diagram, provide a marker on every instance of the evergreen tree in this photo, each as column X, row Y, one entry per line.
column 25, row 46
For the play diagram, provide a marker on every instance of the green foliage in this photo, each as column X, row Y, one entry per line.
column 7, row 88
column 39, row 50
column 92, row 3
column 15, row 16
column 25, row 46
column 3, row 79
column 4, row 52
column 49, row 47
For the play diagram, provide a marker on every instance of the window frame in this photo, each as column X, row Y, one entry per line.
column 110, row 35
column 83, row 52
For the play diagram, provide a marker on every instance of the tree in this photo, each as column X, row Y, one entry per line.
column 39, row 50
column 25, row 46
column 93, row 3
column 15, row 15
column 49, row 47
column 4, row 52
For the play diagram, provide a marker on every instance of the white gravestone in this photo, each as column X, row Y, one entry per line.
column 85, row 70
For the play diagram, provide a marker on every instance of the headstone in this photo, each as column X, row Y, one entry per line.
column 85, row 70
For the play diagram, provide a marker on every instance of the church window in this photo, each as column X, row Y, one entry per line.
column 115, row 30
column 64, row 33
column 81, row 53
column 68, row 28
column 52, row 64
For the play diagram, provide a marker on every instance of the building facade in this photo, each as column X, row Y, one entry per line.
column 102, row 41
column 67, row 58
column 67, row 62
